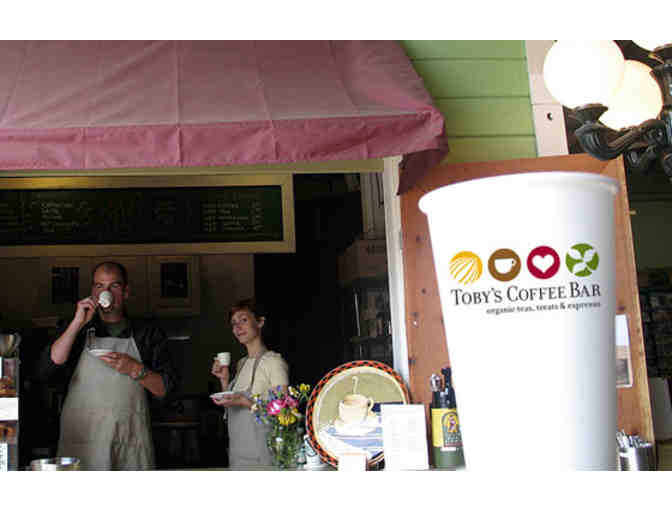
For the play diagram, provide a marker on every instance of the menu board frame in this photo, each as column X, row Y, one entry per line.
column 286, row 245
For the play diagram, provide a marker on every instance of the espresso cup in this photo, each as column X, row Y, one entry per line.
column 354, row 408
column 224, row 358
column 105, row 299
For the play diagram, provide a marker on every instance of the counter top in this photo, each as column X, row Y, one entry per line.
column 323, row 468
column 263, row 468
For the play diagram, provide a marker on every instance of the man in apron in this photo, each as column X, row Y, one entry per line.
column 114, row 362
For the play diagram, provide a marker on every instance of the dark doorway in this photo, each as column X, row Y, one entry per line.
column 300, row 290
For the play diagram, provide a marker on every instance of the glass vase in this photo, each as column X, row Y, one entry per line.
column 284, row 444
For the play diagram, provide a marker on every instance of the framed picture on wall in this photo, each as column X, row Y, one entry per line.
column 64, row 285
column 63, row 281
column 174, row 286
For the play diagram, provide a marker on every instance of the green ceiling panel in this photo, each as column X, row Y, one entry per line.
column 463, row 49
column 464, row 150
column 487, row 116
column 482, row 89
column 474, row 78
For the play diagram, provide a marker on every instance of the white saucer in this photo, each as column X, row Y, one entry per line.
column 223, row 395
column 99, row 352
column 356, row 429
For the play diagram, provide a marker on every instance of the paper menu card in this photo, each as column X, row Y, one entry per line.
column 623, row 359
column 404, row 436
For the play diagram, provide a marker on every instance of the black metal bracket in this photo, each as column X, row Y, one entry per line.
column 642, row 144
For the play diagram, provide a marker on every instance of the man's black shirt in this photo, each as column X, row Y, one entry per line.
column 149, row 338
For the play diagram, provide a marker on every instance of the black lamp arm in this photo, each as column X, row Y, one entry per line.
column 640, row 145
column 594, row 138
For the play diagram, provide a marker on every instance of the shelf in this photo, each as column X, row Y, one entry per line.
column 369, row 339
column 367, row 282
column 365, row 320
column 656, row 310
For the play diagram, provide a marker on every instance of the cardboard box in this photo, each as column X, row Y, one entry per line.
column 363, row 259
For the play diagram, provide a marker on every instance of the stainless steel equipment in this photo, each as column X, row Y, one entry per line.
column 638, row 458
column 9, row 343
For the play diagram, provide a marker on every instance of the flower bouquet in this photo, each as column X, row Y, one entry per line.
column 281, row 413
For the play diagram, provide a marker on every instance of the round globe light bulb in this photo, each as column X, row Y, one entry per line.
column 582, row 72
column 638, row 98
column 651, row 44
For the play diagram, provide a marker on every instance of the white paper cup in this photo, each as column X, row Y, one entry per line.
column 532, row 348
column 224, row 358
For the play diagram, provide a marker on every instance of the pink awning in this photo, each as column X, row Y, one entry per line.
column 68, row 105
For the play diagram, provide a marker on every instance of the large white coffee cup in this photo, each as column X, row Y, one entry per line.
column 546, row 334
column 224, row 358
column 354, row 408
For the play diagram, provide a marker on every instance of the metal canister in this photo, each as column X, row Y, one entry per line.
column 638, row 458
column 9, row 344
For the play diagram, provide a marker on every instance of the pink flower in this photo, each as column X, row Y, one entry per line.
column 275, row 406
column 291, row 402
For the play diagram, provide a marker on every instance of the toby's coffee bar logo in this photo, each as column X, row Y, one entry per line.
column 542, row 262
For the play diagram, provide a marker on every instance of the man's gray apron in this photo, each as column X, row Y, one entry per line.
column 105, row 420
column 247, row 438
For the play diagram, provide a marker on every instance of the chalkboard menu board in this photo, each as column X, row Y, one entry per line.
column 226, row 214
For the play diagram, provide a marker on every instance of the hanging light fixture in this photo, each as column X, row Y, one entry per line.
column 624, row 106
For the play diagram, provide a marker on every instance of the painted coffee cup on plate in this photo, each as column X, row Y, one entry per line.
column 354, row 408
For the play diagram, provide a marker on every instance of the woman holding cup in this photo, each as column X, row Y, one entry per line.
column 257, row 372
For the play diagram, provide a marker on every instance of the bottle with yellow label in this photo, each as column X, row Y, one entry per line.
column 446, row 437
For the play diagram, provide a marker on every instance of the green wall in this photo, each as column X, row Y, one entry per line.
column 482, row 89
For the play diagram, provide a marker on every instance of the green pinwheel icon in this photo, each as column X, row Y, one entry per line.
column 582, row 259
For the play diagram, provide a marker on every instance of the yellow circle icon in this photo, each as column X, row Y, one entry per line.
column 466, row 267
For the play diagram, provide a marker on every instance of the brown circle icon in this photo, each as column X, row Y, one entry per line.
column 504, row 265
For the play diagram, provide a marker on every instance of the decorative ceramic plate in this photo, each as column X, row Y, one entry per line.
column 343, row 412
